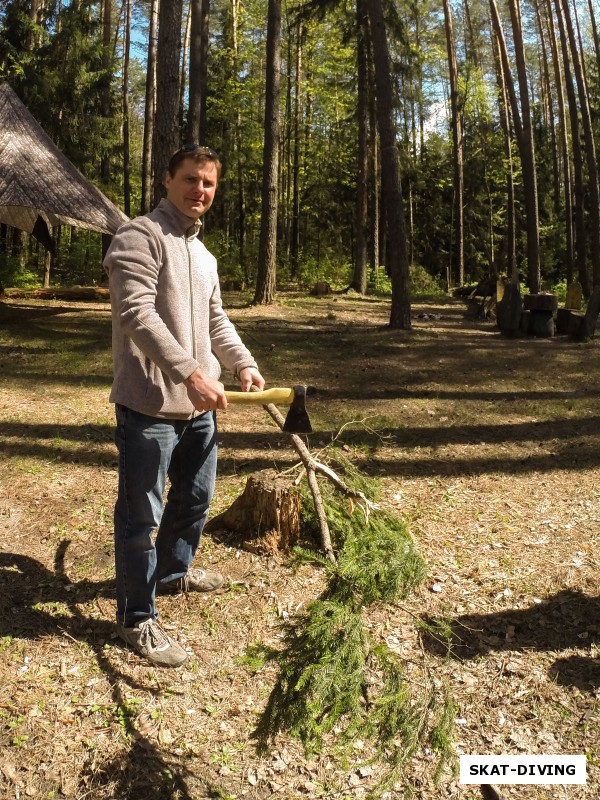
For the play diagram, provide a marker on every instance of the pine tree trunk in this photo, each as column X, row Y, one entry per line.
column 579, row 204
column 594, row 34
column 239, row 134
column 511, row 244
column 295, row 230
column 34, row 14
column 3, row 240
column 591, row 314
column 390, row 172
column 47, row 268
column 374, row 172
column 524, row 140
column 565, row 157
column 149, row 109
column 106, row 99
column 166, row 117
column 126, row 143
column 204, row 69
column 457, row 151
column 185, row 50
column 196, row 122
column 361, row 213
column 588, row 138
column 19, row 246
column 285, row 156
column 549, row 109
column 267, row 268
column 527, row 151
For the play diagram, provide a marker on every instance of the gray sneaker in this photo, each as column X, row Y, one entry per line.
column 149, row 639
column 195, row 580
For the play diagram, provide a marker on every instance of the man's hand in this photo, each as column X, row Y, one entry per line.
column 205, row 393
column 249, row 377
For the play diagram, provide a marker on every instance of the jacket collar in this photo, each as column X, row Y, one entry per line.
column 184, row 225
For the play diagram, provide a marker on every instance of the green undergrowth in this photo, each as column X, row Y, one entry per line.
column 337, row 682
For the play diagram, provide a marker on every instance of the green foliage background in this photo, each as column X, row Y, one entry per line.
column 59, row 70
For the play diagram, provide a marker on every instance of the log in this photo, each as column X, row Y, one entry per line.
column 73, row 293
column 509, row 309
column 543, row 301
column 569, row 321
column 542, row 323
column 562, row 320
column 320, row 289
column 265, row 517
column 590, row 319
column 576, row 327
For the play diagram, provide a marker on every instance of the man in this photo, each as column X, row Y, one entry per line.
column 169, row 329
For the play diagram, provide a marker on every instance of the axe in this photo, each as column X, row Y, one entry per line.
column 296, row 421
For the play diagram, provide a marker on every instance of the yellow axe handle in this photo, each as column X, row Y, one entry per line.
column 280, row 396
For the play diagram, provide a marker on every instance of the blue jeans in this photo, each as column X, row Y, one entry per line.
column 150, row 450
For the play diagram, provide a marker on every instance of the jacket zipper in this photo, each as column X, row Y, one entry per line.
column 192, row 314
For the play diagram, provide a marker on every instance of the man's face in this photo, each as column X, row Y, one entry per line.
column 192, row 188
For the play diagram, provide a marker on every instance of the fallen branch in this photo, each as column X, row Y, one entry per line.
column 359, row 498
column 310, row 466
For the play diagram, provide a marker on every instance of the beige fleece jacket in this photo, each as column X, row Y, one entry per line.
column 167, row 315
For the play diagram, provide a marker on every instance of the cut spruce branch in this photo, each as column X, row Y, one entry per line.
column 312, row 466
column 307, row 460
column 337, row 680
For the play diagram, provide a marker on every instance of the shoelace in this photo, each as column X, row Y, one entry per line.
column 152, row 636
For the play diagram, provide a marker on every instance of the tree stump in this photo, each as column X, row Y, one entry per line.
column 588, row 327
column 320, row 289
column 543, row 301
column 569, row 321
column 266, row 516
column 509, row 309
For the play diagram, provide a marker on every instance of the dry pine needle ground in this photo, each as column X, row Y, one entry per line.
column 488, row 447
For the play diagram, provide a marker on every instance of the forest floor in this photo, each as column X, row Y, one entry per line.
column 488, row 447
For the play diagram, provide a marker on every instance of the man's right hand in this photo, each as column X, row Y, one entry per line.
column 205, row 393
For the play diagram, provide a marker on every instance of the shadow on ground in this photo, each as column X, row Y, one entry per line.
column 549, row 447
column 36, row 602
column 147, row 772
column 566, row 620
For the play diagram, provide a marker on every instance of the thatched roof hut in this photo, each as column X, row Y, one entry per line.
column 39, row 186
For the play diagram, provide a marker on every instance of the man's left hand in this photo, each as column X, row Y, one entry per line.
column 250, row 376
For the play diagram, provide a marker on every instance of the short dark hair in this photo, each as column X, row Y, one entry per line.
column 199, row 153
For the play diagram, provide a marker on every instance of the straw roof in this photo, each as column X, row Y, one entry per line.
column 39, row 186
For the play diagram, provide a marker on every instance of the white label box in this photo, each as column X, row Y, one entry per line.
column 534, row 769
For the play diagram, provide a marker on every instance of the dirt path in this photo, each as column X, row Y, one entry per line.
column 490, row 448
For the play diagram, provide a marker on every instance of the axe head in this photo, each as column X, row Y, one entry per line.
column 297, row 420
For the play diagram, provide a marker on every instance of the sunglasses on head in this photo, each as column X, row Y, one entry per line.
column 199, row 149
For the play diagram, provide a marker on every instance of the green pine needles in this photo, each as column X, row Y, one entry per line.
column 321, row 674
column 336, row 683
column 377, row 560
